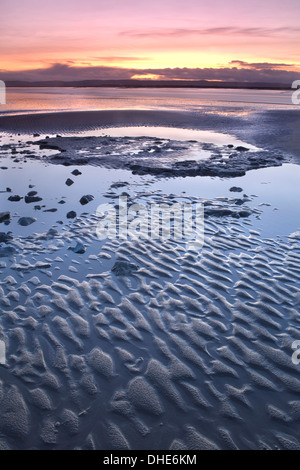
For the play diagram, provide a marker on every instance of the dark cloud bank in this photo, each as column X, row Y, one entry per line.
column 238, row 72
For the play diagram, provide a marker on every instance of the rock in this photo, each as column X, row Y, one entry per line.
column 123, row 268
column 61, row 201
column 69, row 182
column 240, row 148
column 76, row 172
column 7, row 251
column 4, row 216
column 5, row 237
column 8, row 190
column 239, row 202
column 50, row 210
column 71, row 215
column 36, row 135
column 236, row 189
column 119, row 184
column 52, row 232
column 86, row 199
column 79, row 248
column 218, row 212
column 30, row 199
column 15, row 198
column 47, row 146
column 32, row 193
column 24, row 221
column 245, row 213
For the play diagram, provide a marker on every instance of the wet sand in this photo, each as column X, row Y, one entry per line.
column 272, row 129
column 179, row 350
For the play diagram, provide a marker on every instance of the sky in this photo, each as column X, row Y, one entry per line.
column 255, row 40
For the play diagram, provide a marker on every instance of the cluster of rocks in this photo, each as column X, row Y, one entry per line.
column 120, row 152
column 32, row 197
column 233, row 165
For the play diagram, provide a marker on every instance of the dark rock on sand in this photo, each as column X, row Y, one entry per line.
column 15, row 198
column 123, row 268
column 239, row 202
column 30, row 199
column 236, row 189
column 24, row 221
column 52, row 232
column 226, row 212
column 118, row 184
column 8, row 190
column 71, row 215
column 47, row 146
column 86, row 199
column 240, row 148
column 5, row 237
column 61, row 201
column 218, row 212
column 49, row 235
column 79, row 248
column 4, row 216
column 69, row 182
column 76, row 172
column 32, row 193
column 50, row 210
column 244, row 213
column 7, row 251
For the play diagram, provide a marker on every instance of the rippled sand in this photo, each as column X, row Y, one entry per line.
column 189, row 351
column 132, row 344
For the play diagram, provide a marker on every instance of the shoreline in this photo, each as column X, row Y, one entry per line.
column 271, row 129
column 192, row 84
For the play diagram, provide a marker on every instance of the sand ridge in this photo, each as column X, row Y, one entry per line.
column 99, row 360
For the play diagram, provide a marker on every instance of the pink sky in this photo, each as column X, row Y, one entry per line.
column 139, row 35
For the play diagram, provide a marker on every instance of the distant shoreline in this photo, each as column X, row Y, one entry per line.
column 194, row 84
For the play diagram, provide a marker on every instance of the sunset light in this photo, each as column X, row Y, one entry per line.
column 119, row 39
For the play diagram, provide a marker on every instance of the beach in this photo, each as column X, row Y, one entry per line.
column 131, row 343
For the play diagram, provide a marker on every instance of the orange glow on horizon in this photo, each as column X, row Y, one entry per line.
column 147, row 76
column 139, row 38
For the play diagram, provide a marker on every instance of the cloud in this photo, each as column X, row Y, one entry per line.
column 68, row 72
column 260, row 65
column 119, row 58
column 225, row 30
column 242, row 72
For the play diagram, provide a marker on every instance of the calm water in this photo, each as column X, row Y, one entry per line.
column 280, row 207
column 231, row 101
